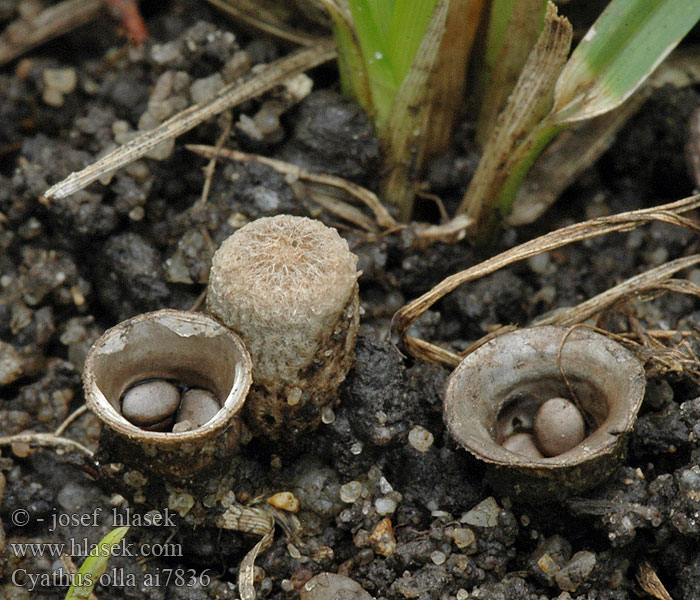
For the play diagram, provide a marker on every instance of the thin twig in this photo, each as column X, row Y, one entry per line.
column 69, row 419
column 24, row 34
column 406, row 316
column 572, row 392
column 48, row 440
column 255, row 16
column 382, row 216
column 199, row 301
column 211, row 166
column 228, row 97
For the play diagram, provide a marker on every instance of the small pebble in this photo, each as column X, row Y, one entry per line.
column 463, row 537
column 558, row 426
column 151, row 405
column 438, row 557
column 541, row 264
column 382, row 538
column 284, row 501
column 356, row 448
column 11, row 364
column 63, row 81
column 137, row 213
column 484, row 514
column 384, row 485
column 206, row 88
column 522, row 443
column 325, row 586
column 294, row 396
column 350, row 491
column 327, row 415
column 576, row 571
column 385, row 506
column 165, row 53
column 162, row 151
column 198, row 407
column 420, row 438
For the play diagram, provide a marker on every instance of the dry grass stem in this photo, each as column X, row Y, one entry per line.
column 211, row 166
column 46, row 440
column 407, row 315
column 529, row 103
column 228, row 97
column 24, row 34
column 649, row 581
column 78, row 412
column 368, row 198
column 651, row 279
column 199, row 302
column 325, row 198
column 572, row 393
column 257, row 16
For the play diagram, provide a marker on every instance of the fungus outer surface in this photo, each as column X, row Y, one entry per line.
column 282, row 283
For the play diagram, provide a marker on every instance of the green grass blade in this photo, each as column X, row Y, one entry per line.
column 354, row 79
column 404, row 137
column 499, row 17
column 622, row 48
column 382, row 13
column 382, row 79
column 94, row 565
column 408, row 24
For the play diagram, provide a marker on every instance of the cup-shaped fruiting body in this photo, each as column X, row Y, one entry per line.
column 132, row 373
column 288, row 286
column 494, row 395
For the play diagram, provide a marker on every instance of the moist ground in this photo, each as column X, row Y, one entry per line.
column 74, row 267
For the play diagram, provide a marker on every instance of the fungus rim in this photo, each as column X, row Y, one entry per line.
column 183, row 324
column 602, row 441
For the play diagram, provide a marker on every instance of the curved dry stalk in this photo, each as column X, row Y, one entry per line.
column 368, row 198
column 22, row 35
column 255, row 15
column 46, row 440
column 407, row 315
column 228, row 97
column 653, row 278
column 78, row 412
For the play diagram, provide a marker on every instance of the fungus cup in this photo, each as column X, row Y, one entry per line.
column 496, row 390
column 288, row 286
column 191, row 349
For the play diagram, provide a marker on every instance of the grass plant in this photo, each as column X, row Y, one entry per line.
column 392, row 55
column 95, row 565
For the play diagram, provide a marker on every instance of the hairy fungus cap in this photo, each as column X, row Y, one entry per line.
column 282, row 283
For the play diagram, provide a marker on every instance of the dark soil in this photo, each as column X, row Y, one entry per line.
column 74, row 267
